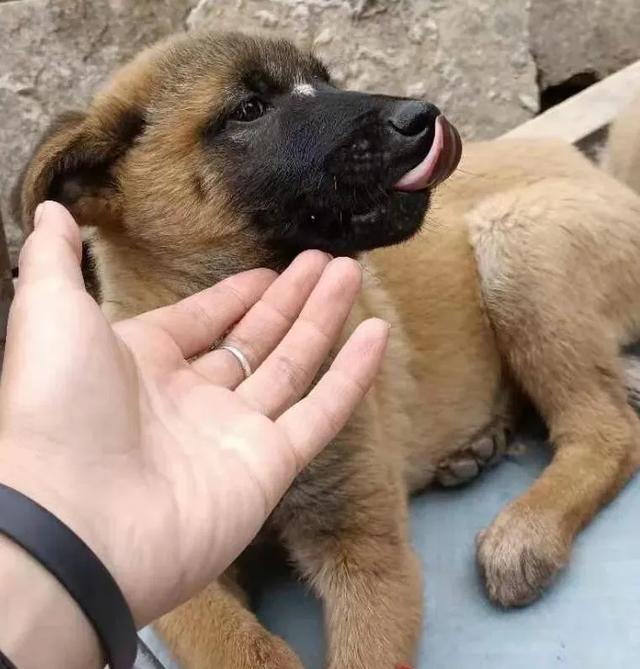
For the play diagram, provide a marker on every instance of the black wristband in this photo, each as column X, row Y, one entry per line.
column 5, row 662
column 62, row 553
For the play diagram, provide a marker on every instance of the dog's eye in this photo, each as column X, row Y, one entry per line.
column 249, row 110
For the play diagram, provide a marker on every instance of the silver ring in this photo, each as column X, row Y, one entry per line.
column 240, row 357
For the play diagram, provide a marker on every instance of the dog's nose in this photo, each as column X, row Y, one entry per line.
column 412, row 117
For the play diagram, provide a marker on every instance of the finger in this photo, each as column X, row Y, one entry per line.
column 315, row 420
column 53, row 250
column 196, row 322
column 287, row 373
column 267, row 322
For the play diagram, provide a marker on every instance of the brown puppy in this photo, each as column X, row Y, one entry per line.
column 215, row 153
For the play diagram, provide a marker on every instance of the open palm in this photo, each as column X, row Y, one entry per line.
column 154, row 449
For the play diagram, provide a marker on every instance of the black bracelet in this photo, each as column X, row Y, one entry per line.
column 61, row 552
column 5, row 662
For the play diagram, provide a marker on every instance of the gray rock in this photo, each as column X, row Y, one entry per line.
column 575, row 36
column 452, row 52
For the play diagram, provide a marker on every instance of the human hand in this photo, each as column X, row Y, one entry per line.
column 167, row 467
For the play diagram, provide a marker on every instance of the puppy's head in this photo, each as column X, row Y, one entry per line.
column 233, row 149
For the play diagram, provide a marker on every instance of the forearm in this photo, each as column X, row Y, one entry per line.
column 40, row 624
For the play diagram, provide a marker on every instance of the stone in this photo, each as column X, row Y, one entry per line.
column 592, row 36
column 266, row 19
column 323, row 37
column 529, row 102
column 416, row 90
column 444, row 49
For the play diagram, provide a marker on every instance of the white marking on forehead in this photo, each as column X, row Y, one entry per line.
column 304, row 89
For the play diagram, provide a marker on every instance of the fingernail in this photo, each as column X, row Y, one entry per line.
column 37, row 217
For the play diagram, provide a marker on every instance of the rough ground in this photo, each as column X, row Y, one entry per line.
column 482, row 61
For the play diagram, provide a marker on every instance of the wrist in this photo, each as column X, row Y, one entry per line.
column 62, row 494
column 40, row 624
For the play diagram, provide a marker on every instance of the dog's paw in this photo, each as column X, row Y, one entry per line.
column 520, row 554
column 466, row 464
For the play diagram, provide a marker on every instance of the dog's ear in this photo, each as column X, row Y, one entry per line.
column 75, row 163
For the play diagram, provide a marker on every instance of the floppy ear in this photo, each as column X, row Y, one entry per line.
column 75, row 163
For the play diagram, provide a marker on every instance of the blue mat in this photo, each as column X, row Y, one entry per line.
column 590, row 619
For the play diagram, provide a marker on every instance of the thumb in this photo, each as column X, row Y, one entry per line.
column 53, row 250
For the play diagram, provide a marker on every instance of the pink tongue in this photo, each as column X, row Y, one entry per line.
column 421, row 176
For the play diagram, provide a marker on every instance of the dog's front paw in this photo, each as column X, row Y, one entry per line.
column 520, row 553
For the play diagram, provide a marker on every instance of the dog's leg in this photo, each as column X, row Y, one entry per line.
column 562, row 286
column 216, row 630
column 346, row 527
